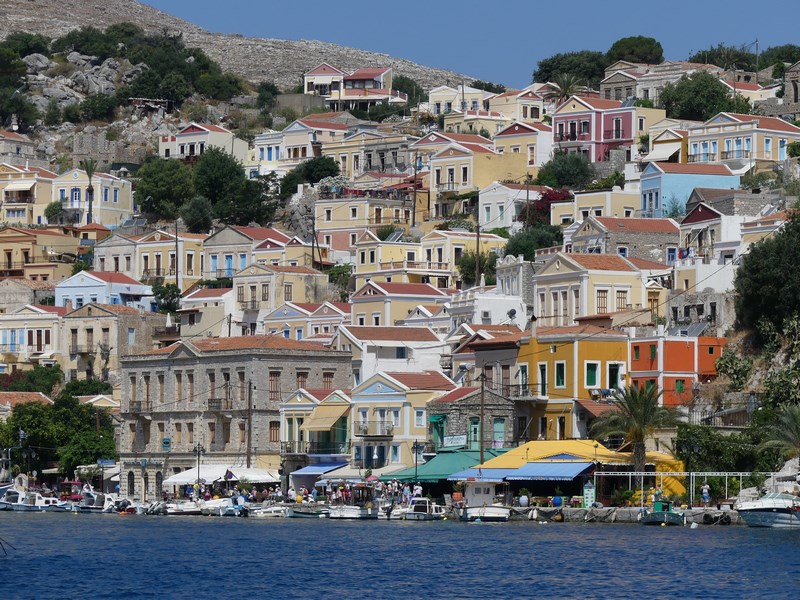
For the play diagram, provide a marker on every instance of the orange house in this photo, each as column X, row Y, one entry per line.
column 673, row 363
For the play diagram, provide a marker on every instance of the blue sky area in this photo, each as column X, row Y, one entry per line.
column 497, row 41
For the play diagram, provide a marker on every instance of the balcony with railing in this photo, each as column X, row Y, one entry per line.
column 616, row 135
column 315, row 448
column 249, row 304
column 81, row 349
column 573, row 136
column 734, row 154
column 418, row 265
column 167, row 333
column 19, row 198
column 702, row 157
column 374, row 428
column 139, row 408
column 447, row 186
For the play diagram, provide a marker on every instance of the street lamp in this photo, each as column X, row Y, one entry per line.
column 416, row 447
column 198, row 450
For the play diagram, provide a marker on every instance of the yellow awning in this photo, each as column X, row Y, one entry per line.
column 324, row 417
column 19, row 187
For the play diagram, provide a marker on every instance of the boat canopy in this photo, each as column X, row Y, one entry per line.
column 355, row 475
column 318, row 469
column 214, row 473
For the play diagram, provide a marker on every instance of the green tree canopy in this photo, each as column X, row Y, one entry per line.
column 699, row 97
column 636, row 415
column 588, row 65
column 25, row 43
column 164, row 186
column 566, row 170
column 527, row 241
column 255, row 202
column 638, row 49
column 218, row 176
column 767, row 281
column 168, row 297
column 487, row 86
column 727, row 57
column 537, row 212
column 783, row 434
column 786, row 53
column 466, row 268
column 268, row 94
column 197, row 214
column 411, row 88
column 310, row 171
column 567, row 85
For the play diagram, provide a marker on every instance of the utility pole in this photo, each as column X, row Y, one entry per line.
column 478, row 249
column 229, row 325
column 480, row 430
column 177, row 282
column 249, row 421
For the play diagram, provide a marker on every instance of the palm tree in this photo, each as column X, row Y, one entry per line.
column 89, row 165
column 567, row 85
column 784, row 433
column 636, row 416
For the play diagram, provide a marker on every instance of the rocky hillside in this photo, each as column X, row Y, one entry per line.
column 256, row 59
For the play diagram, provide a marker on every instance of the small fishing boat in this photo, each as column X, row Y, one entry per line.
column 11, row 498
column 480, row 503
column 95, row 502
column 776, row 510
column 361, row 504
column 422, row 509
column 273, row 511
column 663, row 513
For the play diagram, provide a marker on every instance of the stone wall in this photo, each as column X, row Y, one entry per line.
column 461, row 412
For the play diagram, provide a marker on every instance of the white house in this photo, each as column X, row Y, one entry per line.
column 195, row 138
column 104, row 288
column 500, row 204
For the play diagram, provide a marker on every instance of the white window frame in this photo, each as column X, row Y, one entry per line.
column 419, row 417
column 558, row 363
column 599, row 383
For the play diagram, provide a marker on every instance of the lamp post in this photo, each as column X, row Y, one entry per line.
column 416, row 447
column 198, row 450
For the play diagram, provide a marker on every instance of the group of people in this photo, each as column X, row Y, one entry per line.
column 395, row 491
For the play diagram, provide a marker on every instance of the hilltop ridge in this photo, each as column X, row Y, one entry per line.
column 255, row 59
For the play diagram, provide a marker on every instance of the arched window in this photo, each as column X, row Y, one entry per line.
column 159, row 481
column 796, row 90
column 146, row 485
column 131, row 483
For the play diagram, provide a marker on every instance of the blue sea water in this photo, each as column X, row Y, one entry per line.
column 69, row 556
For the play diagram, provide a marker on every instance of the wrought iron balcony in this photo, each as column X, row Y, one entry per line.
column 315, row 448
column 702, row 157
column 731, row 154
column 374, row 428
column 81, row 349
column 249, row 304
column 219, row 404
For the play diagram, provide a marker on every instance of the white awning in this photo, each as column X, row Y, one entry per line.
column 662, row 152
column 211, row 473
column 21, row 186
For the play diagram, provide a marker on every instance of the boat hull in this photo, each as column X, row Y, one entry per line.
column 307, row 513
column 770, row 517
column 663, row 518
column 486, row 513
column 353, row 512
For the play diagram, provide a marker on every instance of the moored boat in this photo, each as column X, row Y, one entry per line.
column 360, row 504
column 776, row 510
column 663, row 513
column 423, row 509
column 307, row 511
column 480, row 503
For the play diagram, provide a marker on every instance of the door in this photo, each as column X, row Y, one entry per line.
column 228, row 265
column 613, row 376
column 474, row 434
column 498, row 433
column 543, row 380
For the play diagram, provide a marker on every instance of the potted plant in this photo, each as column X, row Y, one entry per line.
column 558, row 501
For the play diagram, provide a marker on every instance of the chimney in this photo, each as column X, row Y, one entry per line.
column 533, row 327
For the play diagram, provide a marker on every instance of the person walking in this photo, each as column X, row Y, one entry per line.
column 705, row 492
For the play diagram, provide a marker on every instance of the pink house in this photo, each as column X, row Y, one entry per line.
column 595, row 126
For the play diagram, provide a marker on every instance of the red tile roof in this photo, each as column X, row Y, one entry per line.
column 641, row 263
column 366, row 73
column 208, row 293
column 262, row 233
column 639, row 225
column 57, row 310
column 742, row 85
column 113, row 277
column 290, row 269
column 469, row 138
column 117, row 309
column 694, row 168
column 14, row 398
column 457, row 394
column 600, row 262
column 307, row 306
column 13, row 135
column 514, row 129
column 772, row 123
column 31, row 284
column 577, row 330
column 43, row 172
column 324, row 69
column 593, row 407
column 427, row 380
column 323, row 124
column 392, row 334
column 93, row 227
column 248, row 342
column 600, row 103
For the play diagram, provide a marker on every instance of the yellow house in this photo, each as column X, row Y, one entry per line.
column 482, row 122
column 301, row 320
column 389, row 414
column 340, row 222
column 571, row 368
column 569, row 286
column 425, row 147
column 294, row 253
column 112, row 197
column 748, row 139
column 443, row 251
column 519, row 105
column 25, row 193
column 461, row 167
column 532, row 142
column 38, row 254
column 603, row 203
column 301, row 139
column 155, row 258
column 384, row 260
column 385, row 303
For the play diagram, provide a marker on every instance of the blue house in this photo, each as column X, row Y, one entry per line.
column 103, row 287
column 664, row 184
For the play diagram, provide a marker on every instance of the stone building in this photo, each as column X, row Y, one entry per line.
column 16, row 292
column 193, row 396
column 787, row 107
column 648, row 239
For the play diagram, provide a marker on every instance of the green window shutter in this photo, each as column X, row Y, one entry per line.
column 591, row 375
column 679, row 386
column 652, row 351
column 560, row 375
column 636, row 353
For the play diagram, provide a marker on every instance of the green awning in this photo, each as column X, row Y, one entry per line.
column 436, row 418
column 444, row 464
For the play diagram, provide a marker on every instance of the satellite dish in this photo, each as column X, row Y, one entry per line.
column 512, row 313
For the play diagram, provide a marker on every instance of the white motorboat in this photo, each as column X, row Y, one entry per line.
column 422, row 509
column 96, row 502
column 189, row 508
column 33, row 502
column 361, row 504
column 11, row 497
column 775, row 509
column 480, row 503
column 273, row 511
column 307, row 511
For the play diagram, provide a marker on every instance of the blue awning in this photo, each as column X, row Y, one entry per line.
column 318, row 469
column 481, row 474
column 549, row 471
